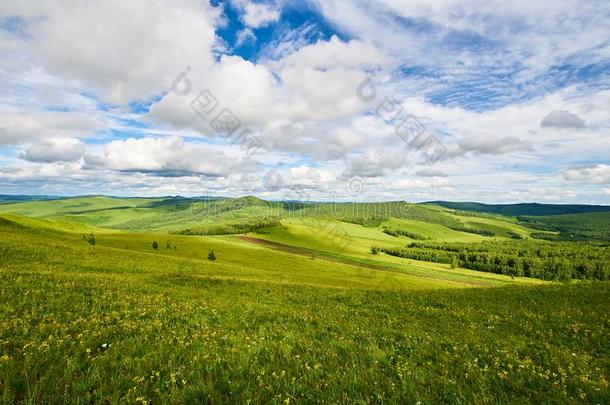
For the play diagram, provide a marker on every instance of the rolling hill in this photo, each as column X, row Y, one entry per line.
column 303, row 311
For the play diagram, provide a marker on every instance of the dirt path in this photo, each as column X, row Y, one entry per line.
column 277, row 246
column 314, row 253
column 349, row 261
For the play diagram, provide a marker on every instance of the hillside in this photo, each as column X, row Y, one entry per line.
column 348, row 232
column 176, row 214
column 304, row 302
column 301, row 320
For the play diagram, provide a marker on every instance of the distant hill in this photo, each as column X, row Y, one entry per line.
column 7, row 199
column 216, row 215
column 514, row 210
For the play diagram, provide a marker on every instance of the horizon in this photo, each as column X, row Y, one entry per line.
column 59, row 197
column 282, row 99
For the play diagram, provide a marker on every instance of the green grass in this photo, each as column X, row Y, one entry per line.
column 260, row 325
column 300, row 313
column 71, row 206
column 175, row 215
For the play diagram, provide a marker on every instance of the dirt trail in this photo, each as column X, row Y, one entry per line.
column 313, row 253
column 277, row 246
column 344, row 260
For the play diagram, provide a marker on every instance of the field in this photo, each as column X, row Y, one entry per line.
column 305, row 311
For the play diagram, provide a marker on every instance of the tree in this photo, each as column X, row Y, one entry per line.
column 374, row 250
column 168, row 245
column 211, row 255
column 90, row 239
column 454, row 262
column 155, row 245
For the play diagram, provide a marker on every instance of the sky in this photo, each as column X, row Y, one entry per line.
column 472, row 100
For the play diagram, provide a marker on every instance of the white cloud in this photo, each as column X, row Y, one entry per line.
column 55, row 150
column 375, row 164
column 493, row 145
column 257, row 15
column 599, row 174
column 308, row 176
column 562, row 119
column 22, row 127
column 166, row 157
column 334, row 53
column 300, row 97
column 535, row 35
column 420, row 184
column 121, row 50
column 244, row 36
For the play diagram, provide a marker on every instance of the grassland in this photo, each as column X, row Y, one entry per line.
column 301, row 312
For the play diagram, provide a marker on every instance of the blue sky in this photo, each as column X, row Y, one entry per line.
column 511, row 99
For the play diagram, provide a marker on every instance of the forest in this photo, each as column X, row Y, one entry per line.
column 560, row 261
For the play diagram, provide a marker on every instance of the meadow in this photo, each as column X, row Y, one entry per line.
column 297, row 312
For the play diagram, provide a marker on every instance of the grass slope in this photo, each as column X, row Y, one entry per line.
column 75, row 205
column 124, row 323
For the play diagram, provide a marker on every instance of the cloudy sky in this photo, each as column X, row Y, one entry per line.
column 492, row 101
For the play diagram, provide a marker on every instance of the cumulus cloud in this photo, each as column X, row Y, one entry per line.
column 166, row 157
column 309, row 177
column 55, row 150
column 563, row 119
column 16, row 128
column 374, row 164
column 257, row 15
column 477, row 74
column 294, row 107
column 334, row 52
column 122, row 51
column 599, row 174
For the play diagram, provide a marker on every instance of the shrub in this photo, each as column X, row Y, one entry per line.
column 211, row 255
column 90, row 239
column 155, row 245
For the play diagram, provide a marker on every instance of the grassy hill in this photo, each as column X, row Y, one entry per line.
column 77, row 205
column 178, row 214
column 305, row 302
column 283, row 317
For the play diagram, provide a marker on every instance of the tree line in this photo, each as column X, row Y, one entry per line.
column 547, row 261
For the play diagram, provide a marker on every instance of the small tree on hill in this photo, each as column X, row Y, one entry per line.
column 211, row 255
column 168, row 245
column 90, row 239
column 155, row 245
